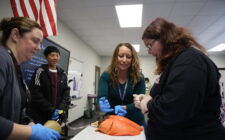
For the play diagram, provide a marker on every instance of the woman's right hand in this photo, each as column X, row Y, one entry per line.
column 39, row 132
column 104, row 105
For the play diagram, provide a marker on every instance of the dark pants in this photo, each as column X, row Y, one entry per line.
column 145, row 130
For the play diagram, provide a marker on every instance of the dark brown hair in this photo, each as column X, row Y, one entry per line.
column 23, row 24
column 174, row 39
column 49, row 50
column 134, row 70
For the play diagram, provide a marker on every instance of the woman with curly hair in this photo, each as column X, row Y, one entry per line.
column 118, row 84
column 184, row 103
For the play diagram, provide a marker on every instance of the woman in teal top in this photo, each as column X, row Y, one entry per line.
column 117, row 85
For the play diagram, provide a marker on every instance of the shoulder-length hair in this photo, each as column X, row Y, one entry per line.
column 23, row 24
column 134, row 71
column 174, row 39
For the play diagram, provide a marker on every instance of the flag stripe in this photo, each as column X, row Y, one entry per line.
column 46, row 19
column 50, row 16
column 24, row 9
column 42, row 22
column 53, row 7
column 15, row 12
column 34, row 9
column 29, row 10
column 42, row 11
column 37, row 4
column 20, row 12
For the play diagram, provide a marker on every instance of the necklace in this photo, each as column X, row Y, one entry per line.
column 122, row 95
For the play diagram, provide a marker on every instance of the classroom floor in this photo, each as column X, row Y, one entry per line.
column 78, row 125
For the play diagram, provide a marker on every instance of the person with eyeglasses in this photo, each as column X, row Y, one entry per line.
column 119, row 82
column 184, row 103
column 20, row 40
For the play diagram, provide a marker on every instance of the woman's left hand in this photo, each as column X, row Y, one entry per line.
column 141, row 102
column 137, row 100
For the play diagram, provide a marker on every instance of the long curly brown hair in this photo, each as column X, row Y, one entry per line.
column 134, row 70
column 174, row 39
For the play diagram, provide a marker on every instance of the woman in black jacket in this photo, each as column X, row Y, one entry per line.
column 184, row 103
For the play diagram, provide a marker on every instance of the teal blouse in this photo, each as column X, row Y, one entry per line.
column 114, row 98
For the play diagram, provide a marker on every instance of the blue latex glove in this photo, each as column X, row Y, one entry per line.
column 55, row 115
column 39, row 132
column 119, row 110
column 104, row 105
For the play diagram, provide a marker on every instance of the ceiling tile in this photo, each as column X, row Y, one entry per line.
column 158, row 10
column 95, row 21
column 181, row 20
column 213, row 8
column 186, row 8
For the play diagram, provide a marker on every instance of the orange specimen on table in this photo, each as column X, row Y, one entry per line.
column 119, row 126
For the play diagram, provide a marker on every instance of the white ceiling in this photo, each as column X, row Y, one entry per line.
column 95, row 21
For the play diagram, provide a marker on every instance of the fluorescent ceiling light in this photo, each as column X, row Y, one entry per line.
column 129, row 15
column 136, row 47
column 218, row 48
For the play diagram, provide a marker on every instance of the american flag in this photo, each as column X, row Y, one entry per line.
column 42, row 11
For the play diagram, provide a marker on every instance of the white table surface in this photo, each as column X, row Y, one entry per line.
column 89, row 133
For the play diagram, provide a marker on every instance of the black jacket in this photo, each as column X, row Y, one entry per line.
column 40, row 87
column 186, row 101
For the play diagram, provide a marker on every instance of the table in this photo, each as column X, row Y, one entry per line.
column 89, row 133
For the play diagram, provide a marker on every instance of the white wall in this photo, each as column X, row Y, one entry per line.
column 218, row 60
column 5, row 9
column 78, row 49
column 148, row 66
column 105, row 61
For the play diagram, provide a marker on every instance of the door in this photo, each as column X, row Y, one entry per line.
column 97, row 76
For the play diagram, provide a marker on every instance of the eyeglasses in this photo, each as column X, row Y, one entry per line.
column 149, row 45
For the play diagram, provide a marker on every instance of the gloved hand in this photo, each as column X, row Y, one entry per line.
column 141, row 102
column 55, row 115
column 40, row 132
column 119, row 110
column 104, row 105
